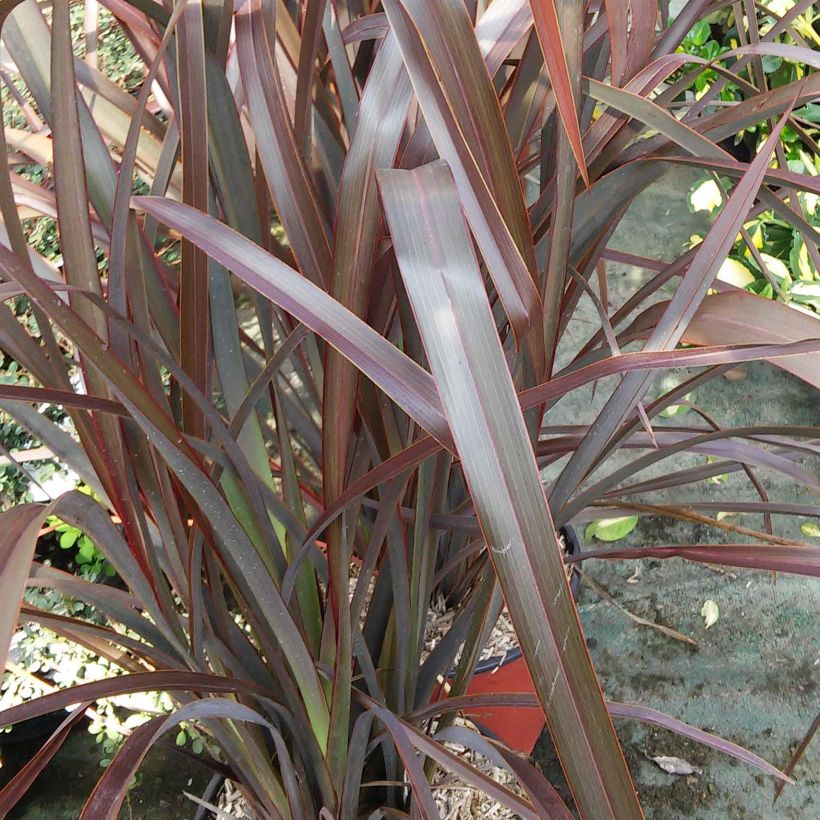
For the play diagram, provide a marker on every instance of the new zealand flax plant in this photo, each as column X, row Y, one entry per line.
column 310, row 368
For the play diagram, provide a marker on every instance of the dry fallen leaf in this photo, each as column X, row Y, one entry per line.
column 736, row 374
column 675, row 765
column 710, row 613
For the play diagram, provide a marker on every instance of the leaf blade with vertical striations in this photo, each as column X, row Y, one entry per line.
column 545, row 17
column 505, row 260
column 443, row 281
column 193, row 279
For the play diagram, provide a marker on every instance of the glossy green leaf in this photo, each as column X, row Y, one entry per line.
column 611, row 529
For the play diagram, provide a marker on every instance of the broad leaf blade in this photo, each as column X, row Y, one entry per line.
column 736, row 317
column 443, row 281
column 629, row 711
column 653, row 716
column 631, row 34
column 379, row 126
column 291, row 185
column 164, row 681
column 540, row 791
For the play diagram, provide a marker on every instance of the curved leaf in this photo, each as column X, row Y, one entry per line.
column 108, row 795
column 400, row 377
column 737, row 317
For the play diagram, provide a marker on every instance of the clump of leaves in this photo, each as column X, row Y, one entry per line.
column 329, row 338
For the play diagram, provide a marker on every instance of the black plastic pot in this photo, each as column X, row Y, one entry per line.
column 33, row 729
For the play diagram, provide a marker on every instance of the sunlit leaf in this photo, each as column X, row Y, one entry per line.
column 706, row 196
column 735, row 273
column 446, row 289
column 611, row 529
column 776, row 267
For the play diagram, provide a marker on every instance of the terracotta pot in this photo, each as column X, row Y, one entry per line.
column 519, row 727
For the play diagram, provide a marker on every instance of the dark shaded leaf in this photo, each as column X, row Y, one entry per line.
column 16, row 788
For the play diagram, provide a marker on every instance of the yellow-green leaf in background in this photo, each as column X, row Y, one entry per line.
column 611, row 529
column 735, row 273
column 715, row 479
column 807, row 293
column 670, row 382
column 776, row 267
column 679, row 409
column 801, row 264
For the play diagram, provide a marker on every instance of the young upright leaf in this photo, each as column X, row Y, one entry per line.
column 631, row 33
column 545, row 15
column 506, row 261
column 193, row 280
column 290, row 183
